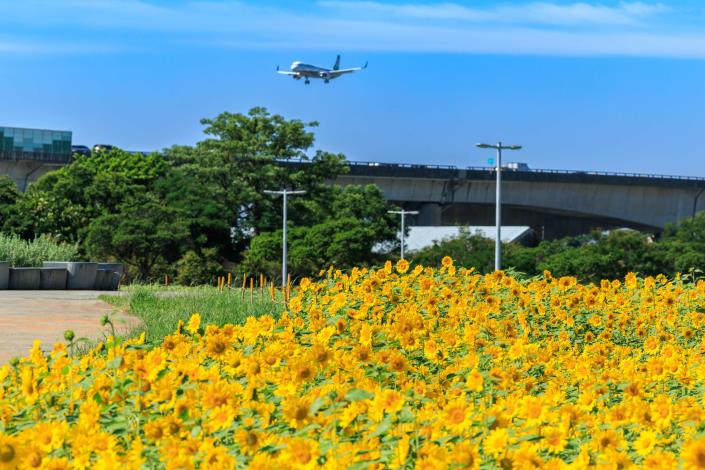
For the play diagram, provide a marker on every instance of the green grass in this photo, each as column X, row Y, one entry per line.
column 28, row 253
column 160, row 308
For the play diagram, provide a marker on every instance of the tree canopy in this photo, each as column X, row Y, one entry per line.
column 168, row 211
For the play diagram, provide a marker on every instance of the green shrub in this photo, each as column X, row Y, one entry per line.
column 23, row 253
column 195, row 269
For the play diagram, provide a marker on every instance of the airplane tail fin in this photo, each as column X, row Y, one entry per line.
column 337, row 63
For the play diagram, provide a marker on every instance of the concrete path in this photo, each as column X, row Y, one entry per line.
column 45, row 315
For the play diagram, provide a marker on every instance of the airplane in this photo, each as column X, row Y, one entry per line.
column 299, row 69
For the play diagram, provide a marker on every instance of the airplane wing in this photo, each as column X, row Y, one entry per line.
column 286, row 72
column 335, row 73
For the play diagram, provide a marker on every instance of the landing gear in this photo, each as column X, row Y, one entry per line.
column 307, row 82
column 326, row 81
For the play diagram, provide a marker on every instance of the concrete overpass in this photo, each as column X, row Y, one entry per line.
column 554, row 203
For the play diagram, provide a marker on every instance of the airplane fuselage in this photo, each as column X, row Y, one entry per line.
column 311, row 71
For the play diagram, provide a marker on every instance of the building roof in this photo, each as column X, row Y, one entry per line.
column 422, row 236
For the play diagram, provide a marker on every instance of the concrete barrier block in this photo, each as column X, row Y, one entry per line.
column 102, row 279
column 25, row 278
column 4, row 275
column 114, row 267
column 80, row 275
column 114, row 282
column 53, row 278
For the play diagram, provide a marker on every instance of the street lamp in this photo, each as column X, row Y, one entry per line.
column 403, row 214
column 284, row 193
column 498, row 199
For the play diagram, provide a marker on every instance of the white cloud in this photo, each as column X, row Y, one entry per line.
column 539, row 28
column 625, row 13
column 20, row 46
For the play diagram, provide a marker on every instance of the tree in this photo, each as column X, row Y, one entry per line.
column 143, row 233
column 243, row 158
column 682, row 245
column 201, row 206
column 63, row 203
column 9, row 195
column 608, row 256
column 357, row 221
column 198, row 268
column 467, row 249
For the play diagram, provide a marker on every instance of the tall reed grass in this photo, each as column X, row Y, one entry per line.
column 24, row 253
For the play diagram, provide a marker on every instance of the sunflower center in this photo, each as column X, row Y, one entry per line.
column 251, row 439
column 34, row 460
column 305, row 373
column 301, row 413
column 303, row 456
column 220, row 400
column 322, row 356
column 173, row 428
column 700, row 458
column 457, row 416
column 7, row 453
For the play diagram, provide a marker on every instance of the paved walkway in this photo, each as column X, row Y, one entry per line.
column 45, row 315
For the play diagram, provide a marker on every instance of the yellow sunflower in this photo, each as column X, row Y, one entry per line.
column 11, row 452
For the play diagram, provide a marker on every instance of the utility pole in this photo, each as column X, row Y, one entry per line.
column 403, row 214
column 498, row 199
column 284, row 193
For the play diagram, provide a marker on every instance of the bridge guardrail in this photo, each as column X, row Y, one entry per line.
column 14, row 155
column 508, row 170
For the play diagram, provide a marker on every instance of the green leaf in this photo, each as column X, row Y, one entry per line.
column 114, row 363
column 406, row 416
column 316, row 405
column 382, row 427
column 357, row 394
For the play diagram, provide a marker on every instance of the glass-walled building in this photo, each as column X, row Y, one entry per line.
column 35, row 144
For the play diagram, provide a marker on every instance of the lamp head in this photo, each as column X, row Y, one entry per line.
column 483, row 146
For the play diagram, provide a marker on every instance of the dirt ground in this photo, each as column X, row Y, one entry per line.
column 45, row 315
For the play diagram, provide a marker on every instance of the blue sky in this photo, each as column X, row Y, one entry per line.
column 612, row 86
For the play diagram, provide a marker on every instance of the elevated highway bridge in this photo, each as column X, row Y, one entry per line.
column 554, row 203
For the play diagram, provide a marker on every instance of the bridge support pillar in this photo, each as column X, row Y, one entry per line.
column 429, row 215
column 24, row 172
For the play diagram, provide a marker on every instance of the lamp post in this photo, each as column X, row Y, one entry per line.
column 284, row 193
column 498, row 199
column 403, row 214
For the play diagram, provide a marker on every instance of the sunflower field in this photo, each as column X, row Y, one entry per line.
column 388, row 368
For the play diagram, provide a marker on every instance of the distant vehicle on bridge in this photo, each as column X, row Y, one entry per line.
column 300, row 70
column 80, row 149
column 103, row 148
column 517, row 166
